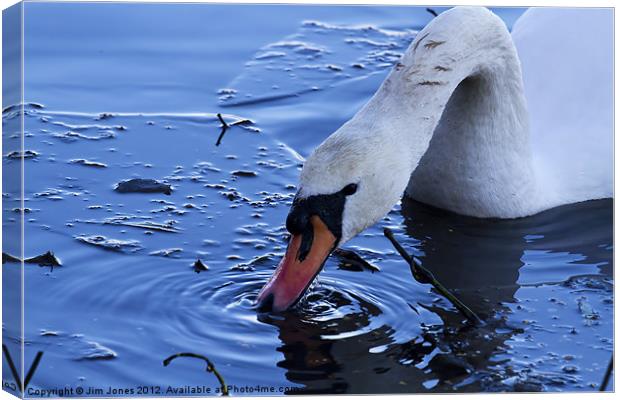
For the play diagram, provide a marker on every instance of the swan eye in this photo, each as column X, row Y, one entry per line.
column 350, row 189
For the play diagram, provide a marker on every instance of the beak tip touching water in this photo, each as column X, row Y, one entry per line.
column 293, row 276
column 265, row 303
column 277, row 295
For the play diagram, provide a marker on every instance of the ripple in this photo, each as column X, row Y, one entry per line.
column 337, row 308
column 77, row 345
column 300, row 64
column 110, row 244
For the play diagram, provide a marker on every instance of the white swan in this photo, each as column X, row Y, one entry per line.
column 450, row 127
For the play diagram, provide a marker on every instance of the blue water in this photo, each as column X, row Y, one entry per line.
column 133, row 90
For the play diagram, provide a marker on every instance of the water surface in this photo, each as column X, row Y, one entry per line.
column 131, row 91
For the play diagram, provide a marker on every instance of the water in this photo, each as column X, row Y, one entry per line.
column 129, row 96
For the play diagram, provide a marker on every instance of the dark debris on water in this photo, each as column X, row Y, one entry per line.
column 247, row 174
column 139, row 185
column 17, row 155
column 7, row 258
column 450, row 365
column 199, row 266
column 47, row 259
column 103, row 116
column 351, row 261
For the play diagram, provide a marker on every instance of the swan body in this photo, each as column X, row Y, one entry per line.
column 567, row 62
column 450, row 126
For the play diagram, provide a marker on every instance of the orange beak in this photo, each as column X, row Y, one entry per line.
column 293, row 276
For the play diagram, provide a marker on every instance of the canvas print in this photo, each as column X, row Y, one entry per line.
column 251, row 200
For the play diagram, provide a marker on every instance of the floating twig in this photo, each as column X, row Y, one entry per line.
column 9, row 360
column 243, row 121
column 430, row 10
column 210, row 367
column 225, row 126
column 423, row 275
column 610, row 368
column 33, row 368
column 352, row 259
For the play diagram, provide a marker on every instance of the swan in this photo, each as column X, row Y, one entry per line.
column 450, row 126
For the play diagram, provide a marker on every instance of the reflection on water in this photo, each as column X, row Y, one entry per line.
column 128, row 295
column 490, row 253
column 487, row 263
column 481, row 261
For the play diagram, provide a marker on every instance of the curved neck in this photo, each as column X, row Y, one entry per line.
column 456, row 102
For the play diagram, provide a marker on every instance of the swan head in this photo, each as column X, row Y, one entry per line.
column 346, row 185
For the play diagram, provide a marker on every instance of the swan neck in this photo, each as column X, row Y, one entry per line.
column 471, row 60
column 456, row 102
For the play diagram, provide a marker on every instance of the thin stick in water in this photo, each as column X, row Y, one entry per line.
column 9, row 360
column 225, row 126
column 430, row 10
column 33, row 367
column 610, row 368
column 423, row 275
column 210, row 368
column 244, row 121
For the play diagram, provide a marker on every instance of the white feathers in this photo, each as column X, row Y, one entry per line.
column 567, row 60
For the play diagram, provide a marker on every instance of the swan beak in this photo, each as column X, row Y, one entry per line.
column 293, row 276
